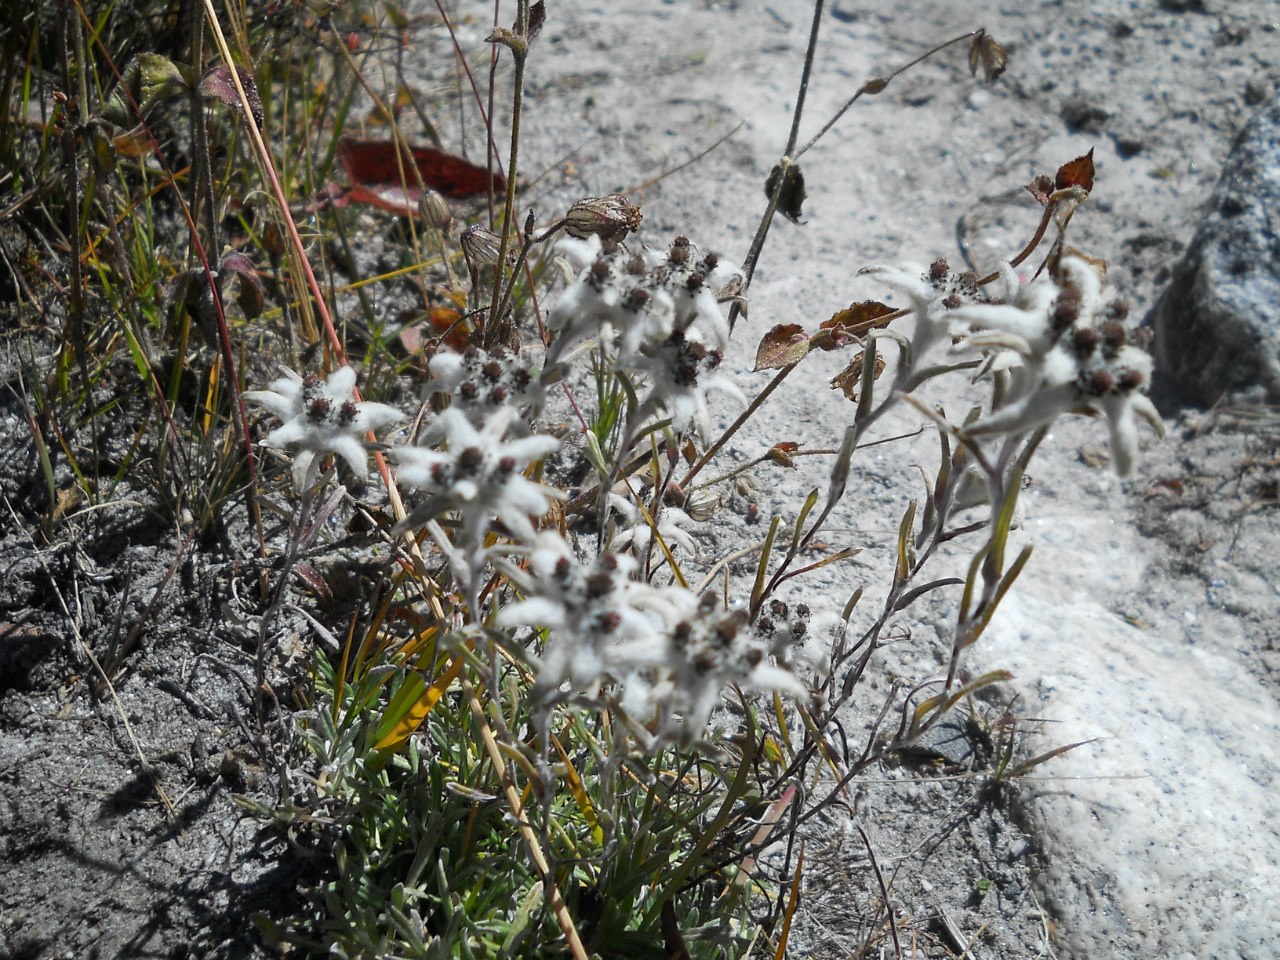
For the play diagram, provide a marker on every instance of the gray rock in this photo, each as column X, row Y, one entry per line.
column 1217, row 325
column 953, row 739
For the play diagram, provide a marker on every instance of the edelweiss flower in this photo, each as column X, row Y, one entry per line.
column 667, row 653
column 479, row 475
column 934, row 292
column 682, row 372
column 636, row 534
column 321, row 417
column 1077, row 358
column 709, row 650
column 589, row 611
column 640, row 297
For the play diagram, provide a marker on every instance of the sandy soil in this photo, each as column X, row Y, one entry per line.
column 1148, row 616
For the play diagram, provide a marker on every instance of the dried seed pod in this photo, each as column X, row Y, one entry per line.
column 480, row 246
column 610, row 218
column 987, row 54
column 788, row 182
column 435, row 210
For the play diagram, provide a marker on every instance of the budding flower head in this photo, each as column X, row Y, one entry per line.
column 479, row 382
column 610, row 218
column 1076, row 355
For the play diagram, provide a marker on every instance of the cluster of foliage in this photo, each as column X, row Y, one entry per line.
column 520, row 744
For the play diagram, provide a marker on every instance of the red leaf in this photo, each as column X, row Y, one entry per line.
column 314, row 579
column 1076, row 173
column 217, row 83
column 375, row 171
column 252, row 299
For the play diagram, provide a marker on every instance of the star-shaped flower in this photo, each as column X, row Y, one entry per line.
column 479, row 475
column 477, row 382
column 709, row 650
column 934, row 292
column 632, row 299
column 635, row 534
column 321, row 416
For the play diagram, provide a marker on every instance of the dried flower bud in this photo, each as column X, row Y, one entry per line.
column 1084, row 341
column 610, row 218
column 702, row 505
column 1100, row 382
column 1114, row 333
column 435, row 210
column 1131, row 380
column 673, row 495
column 987, row 54
column 480, row 246
column 1117, row 309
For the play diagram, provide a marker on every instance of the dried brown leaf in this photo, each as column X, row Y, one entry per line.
column 251, row 297
column 785, row 344
column 849, row 379
column 1076, row 173
column 1040, row 188
column 849, row 324
column 792, row 197
column 986, row 53
column 537, row 17
column 780, row 453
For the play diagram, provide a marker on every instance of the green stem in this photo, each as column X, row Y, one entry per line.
column 519, row 55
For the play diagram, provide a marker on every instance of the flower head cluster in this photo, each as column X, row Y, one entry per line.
column 1074, row 354
column 669, row 653
column 480, row 474
column 935, row 291
column 321, row 416
column 641, row 296
column 709, row 649
column 655, row 312
column 596, row 612
column 1060, row 343
column 479, row 382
